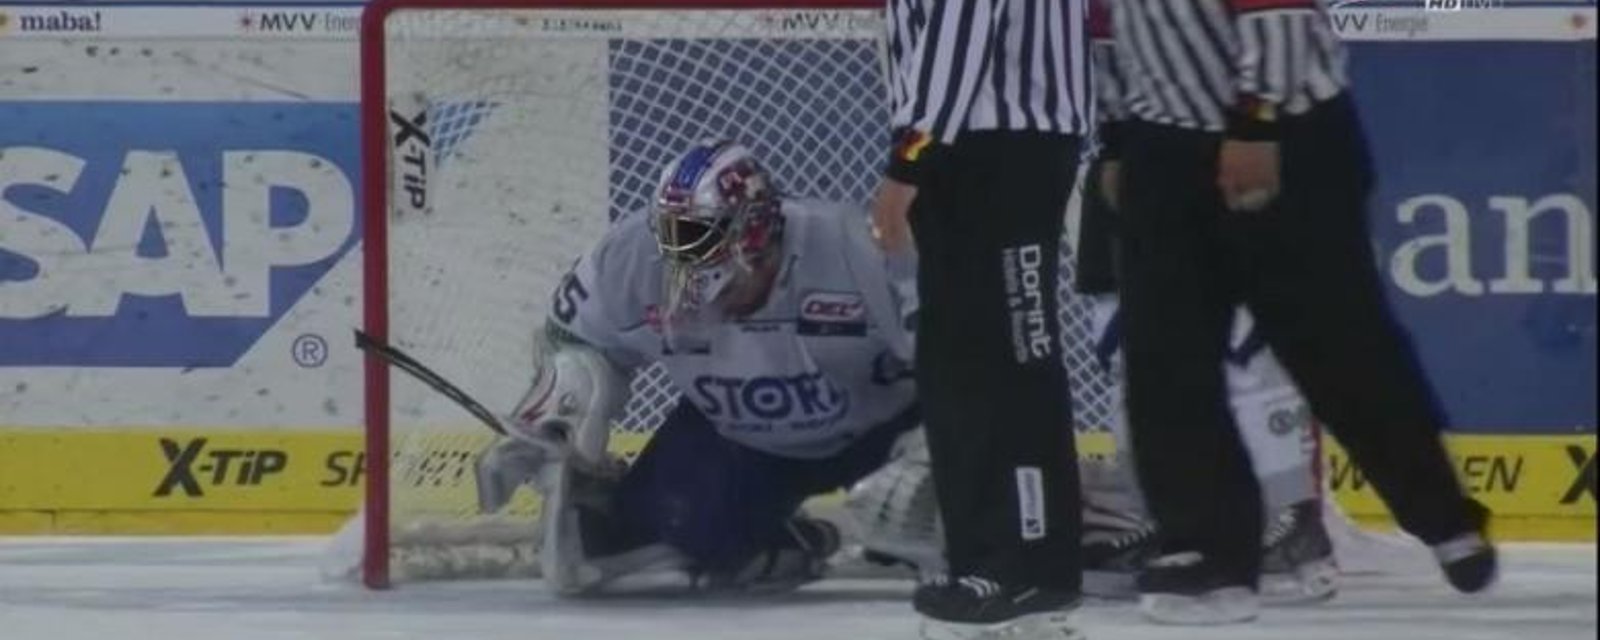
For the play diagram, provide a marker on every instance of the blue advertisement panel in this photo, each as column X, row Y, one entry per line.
column 151, row 234
column 140, row 232
column 1485, row 155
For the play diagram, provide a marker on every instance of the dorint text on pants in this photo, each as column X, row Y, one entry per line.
column 1030, row 336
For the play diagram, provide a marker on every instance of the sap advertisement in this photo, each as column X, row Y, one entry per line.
column 166, row 236
column 168, row 261
column 180, row 243
column 1485, row 212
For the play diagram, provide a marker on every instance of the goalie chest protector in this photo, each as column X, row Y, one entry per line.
column 824, row 360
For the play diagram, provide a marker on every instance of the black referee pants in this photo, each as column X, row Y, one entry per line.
column 1307, row 271
column 990, row 378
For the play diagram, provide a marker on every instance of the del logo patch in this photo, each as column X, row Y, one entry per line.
column 827, row 313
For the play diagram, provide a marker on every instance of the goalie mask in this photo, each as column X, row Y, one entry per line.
column 716, row 218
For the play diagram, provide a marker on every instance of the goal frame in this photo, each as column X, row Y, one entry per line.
column 375, row 570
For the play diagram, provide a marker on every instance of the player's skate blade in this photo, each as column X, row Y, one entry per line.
column 1187, row 589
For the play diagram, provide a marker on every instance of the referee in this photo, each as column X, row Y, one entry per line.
column 1245, row 177
column 990, row 104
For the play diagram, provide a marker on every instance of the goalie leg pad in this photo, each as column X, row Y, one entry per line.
column 722, row 503
column 712, row 499
column 895, row 511
column 582, row 549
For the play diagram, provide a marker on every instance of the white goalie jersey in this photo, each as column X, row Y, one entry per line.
column 823, row 361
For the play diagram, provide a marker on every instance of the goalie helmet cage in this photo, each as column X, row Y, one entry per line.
column 499, row 139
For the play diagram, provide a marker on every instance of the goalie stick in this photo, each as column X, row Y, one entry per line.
column 402, row 361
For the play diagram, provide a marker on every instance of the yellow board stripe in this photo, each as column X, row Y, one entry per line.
column 230, row 481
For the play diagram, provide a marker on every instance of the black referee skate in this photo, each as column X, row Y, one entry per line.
column 1469, row 560
column 976, row 608
column 1297, row 565
column 1187, row 589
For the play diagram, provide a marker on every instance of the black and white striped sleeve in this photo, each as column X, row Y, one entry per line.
column 1275, row 59
column 946, row 60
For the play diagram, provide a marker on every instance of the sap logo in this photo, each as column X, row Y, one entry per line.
column 154, row 242
column 221, row 467
column 166, row 236
column 768, row 398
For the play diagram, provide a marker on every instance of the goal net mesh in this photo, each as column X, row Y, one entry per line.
column 516, row 136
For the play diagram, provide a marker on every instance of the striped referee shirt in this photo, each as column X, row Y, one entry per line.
column 972, row 65
column 1223, row 65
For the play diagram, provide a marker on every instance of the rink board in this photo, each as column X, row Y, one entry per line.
column 227, row 481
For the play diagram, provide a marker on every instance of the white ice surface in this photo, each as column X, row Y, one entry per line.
column 260, row 589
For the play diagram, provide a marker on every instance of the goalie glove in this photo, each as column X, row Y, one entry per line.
column 566, row 414
column 575, row 395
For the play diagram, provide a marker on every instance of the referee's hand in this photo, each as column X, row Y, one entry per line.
column 891, row 208
column 1247, row 174
column 1111, row 183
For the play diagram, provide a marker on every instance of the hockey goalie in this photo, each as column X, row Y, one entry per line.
column 786, row 330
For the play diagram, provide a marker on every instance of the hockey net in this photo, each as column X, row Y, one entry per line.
column 501, row 139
